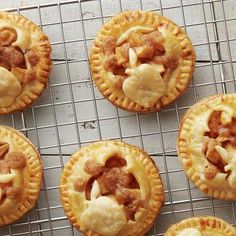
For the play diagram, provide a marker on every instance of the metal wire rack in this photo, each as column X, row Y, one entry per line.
column 72, row 113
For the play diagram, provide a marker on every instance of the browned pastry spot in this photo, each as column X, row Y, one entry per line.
column 152, row 44
column 4, row 167
column 210, row 171
column 154, row 39
column 80, row 184
column 4, row 149
column 232, row 140
column 92, row 167
column 8, row 35
column 29, row 75
column 12, row 56
column 167, row 61
column 13, row 192
column 109, row 45
column 114, row 178
column 131, row 200
column 24, row 75
column 16, row 160
column 33, row 57
column 111, row 63
column 232, row 127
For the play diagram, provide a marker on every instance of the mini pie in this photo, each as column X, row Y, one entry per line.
column 111, row 188
column 141, row 61
column 24, row 62
column 20, row 175
column 202, row 226
column 207, row 145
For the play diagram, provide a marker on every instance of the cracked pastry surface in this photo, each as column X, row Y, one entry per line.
column 24, row 62
column 110, row 188
column 141, row 61
column 20, row 175
column 207, row 145
column 201, row 226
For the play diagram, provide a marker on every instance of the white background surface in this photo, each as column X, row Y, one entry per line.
column 65, row 116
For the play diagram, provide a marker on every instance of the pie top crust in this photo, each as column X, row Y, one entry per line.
column 207, row 145
column 20, row 175
column 110, row 188
column 201, row 226
column 141, row 61
column 24, row 62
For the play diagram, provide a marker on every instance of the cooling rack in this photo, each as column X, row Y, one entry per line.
column 72, row 113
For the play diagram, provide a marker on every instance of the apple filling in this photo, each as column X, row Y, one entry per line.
column 219, row 148
column 10, row 163
column 140, row 62
column 114, row 183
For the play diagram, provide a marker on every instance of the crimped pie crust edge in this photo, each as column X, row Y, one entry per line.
column 148, row 18
column 157, row 197
column 183, row 148
column 28, row 96
column 34, row 168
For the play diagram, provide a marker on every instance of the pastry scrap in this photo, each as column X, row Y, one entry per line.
column 201, row 226
column 24, row 62
column 110, row 188
column 20, row 175
column 207, row 145
column 141, row 61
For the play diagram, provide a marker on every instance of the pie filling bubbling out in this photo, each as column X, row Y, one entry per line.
column 140, row 62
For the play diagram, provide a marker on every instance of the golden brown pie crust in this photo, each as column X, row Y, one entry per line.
column 24, row 62
column 207, row 224
column 206, row 145
column 99, row 161
column 109, row 37
column 20, row 175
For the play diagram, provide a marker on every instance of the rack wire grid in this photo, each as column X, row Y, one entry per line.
column 72, row 113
